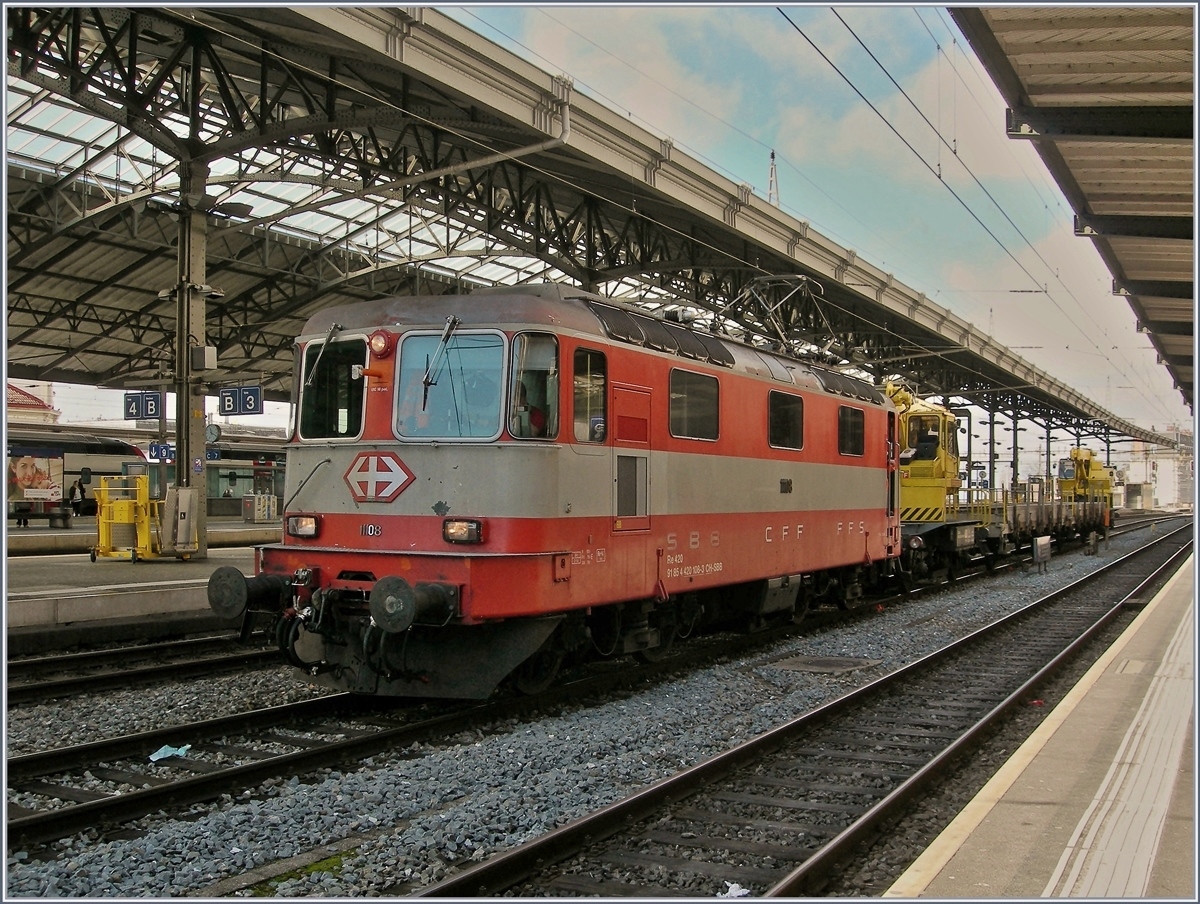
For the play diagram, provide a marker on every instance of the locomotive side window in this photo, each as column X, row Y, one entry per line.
column 785, row 420
column 695, row 405
column 331, row 396
column 533, row 396
column 591, row 393
column 450, row 388
column 850, row 431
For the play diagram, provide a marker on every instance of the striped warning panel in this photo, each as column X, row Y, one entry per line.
column 934, row 513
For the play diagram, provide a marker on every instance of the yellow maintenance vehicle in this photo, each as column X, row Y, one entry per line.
column 945, row 528
column 1082, row 478
column 937, row 533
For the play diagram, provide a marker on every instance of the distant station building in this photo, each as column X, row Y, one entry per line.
column 1154, row 477
column 31, row 403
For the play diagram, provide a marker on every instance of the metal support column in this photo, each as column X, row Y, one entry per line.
column 190, row 318
column 1049, row 470
column 1016, row 443
column 991, row 449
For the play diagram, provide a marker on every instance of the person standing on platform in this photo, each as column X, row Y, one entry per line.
column 73, row 497
column 77, row 498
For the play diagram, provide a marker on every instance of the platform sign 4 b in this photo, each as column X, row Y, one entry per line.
column 140, row 405
column 241, row 400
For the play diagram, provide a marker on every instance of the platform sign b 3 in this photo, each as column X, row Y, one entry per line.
column 241, row 400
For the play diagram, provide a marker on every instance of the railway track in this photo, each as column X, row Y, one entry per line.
column 33, row 680
column 776, row 815
column 110, row 782
column 107, row 783
column 47, row 677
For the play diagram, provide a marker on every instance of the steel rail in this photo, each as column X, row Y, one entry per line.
column 119, row 655
column 28, row 692
column 48, row 762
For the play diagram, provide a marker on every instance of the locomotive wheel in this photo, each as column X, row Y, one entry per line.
column 537, row 673
column 667, row 634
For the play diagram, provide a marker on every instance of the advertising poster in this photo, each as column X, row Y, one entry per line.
column 35, row 475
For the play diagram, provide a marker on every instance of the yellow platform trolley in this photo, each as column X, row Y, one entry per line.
column 128, row 521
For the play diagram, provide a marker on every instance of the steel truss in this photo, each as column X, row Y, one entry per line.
column 333, row 177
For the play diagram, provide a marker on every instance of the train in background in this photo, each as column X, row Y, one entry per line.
column 480, row 488
column 248, row 465
column 948, row 528
column 43, row 461
column 54, row 456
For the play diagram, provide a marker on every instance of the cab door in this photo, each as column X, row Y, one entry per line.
column 631, row 457
column 893, row 485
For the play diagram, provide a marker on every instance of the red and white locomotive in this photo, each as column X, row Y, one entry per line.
column 481, row 486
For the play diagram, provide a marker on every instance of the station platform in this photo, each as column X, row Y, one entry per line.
column 56, row 596
column 40, row 539
column 1100, row 801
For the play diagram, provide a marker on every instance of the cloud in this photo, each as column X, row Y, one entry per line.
column 728, row 84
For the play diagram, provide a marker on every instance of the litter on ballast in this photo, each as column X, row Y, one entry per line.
column 167, row 750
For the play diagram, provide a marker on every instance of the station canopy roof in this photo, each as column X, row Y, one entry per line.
column 360, row 153
column 1106, row 93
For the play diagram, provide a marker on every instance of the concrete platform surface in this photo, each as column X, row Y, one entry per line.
column 47, row 590
column 1100, row 801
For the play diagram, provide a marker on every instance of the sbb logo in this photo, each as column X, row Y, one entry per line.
column 377, row 477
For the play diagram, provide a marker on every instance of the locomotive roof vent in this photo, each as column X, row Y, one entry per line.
column 848, row 386
column 641, row 329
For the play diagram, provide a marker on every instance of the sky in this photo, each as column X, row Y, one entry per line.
column 884, row 129
column 881, row 121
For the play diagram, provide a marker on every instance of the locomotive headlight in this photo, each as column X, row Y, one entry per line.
column 462, row 531
column 380, row 343
column 303, row 525
column 916, row 543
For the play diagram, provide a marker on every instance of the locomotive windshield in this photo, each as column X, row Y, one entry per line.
column 462, row 398
column 331, row 395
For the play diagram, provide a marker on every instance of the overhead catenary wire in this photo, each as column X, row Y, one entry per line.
column 937, row 173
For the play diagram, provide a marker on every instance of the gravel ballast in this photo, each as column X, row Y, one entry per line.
column 418, row 810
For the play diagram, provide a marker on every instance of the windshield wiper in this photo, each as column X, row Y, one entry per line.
column 328, row 336
column 434, row 365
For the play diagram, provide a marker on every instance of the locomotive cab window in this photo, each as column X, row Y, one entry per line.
column 695, row 405
column 785, row 420
column 450, row 385
column 850, row 431
column 533, row 396
column 331, row 389
column 590, row 396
